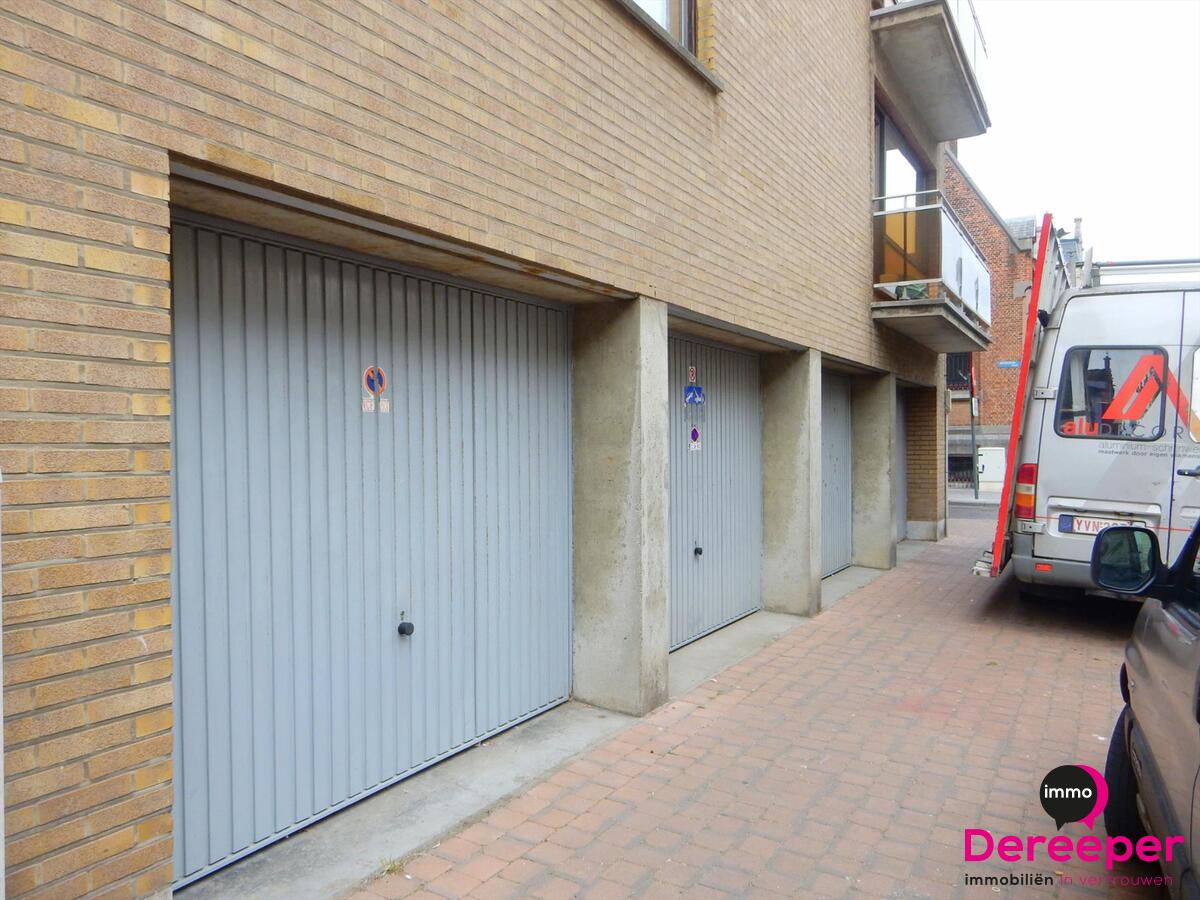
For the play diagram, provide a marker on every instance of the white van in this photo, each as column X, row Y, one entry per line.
column 1111, row 435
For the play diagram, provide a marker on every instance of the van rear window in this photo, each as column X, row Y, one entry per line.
column 1112, row 393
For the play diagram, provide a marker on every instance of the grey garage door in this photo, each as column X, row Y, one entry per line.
column 715, row 487
column 320, row 502
column 836, row 475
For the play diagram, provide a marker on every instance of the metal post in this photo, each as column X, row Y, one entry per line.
column 974, row 453
column 974, row 449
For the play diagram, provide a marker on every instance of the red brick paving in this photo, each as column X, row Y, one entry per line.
column 844, row 759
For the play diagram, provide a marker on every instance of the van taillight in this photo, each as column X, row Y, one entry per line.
column 1026, row 487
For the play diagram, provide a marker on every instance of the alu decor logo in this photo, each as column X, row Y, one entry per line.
column 1071, row 793
column 1150, row 377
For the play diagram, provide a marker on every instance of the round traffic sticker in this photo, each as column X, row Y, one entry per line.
column 374, row 380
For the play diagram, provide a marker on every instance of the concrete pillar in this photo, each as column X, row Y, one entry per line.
column 620, row 428
column 791, row 406
column 873, row 453
column 926, row 437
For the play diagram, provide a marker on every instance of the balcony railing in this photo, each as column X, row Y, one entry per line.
column 922, row 252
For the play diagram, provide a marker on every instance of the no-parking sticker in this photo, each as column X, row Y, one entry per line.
column 374, row 380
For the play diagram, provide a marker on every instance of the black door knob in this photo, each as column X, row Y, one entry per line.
column 405, row 629
column 699, row 551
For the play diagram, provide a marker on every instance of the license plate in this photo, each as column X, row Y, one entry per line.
column 1089, row 524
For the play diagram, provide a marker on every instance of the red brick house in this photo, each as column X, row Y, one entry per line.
column 1008, row 249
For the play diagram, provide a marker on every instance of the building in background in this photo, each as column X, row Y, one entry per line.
column 348, row 348
column 1008, row 245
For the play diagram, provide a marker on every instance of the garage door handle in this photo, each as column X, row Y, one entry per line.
column 405, row 629
column 699, row 551
column 1190, row 473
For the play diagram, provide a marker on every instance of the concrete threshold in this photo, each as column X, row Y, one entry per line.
column 332, row 857
column 700, row 660
column 850, row 579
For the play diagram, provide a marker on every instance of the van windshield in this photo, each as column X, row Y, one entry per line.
column 1112, row 393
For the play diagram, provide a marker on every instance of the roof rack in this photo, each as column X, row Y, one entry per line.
column 1095, row 272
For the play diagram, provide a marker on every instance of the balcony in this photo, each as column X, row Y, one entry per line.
column 931, row 281
column 936, row 55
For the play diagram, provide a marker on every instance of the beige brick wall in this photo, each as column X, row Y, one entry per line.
column 562, row 134
column 925, row 431
column 86, row 522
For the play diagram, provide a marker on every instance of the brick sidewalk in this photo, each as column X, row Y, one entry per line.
column 845, row 759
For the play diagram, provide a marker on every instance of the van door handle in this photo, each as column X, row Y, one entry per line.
column 1190, row 473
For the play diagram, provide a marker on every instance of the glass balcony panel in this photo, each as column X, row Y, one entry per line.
column 922, row 252
column 909, row 245
column 967, row 23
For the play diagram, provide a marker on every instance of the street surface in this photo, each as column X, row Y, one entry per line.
column 845, row 759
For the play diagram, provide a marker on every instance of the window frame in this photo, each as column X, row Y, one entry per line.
column 1161, row 399
column 684, row 52
column 1193, row 397
column 686, row 11
column 964, row 385
column 885, row 128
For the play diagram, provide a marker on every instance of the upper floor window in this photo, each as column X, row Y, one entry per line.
column 675, row 16
column 958, row 371
column 898, row 174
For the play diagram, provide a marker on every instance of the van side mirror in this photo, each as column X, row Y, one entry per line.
column 1125, row 559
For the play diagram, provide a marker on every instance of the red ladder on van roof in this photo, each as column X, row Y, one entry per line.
column 994, row 560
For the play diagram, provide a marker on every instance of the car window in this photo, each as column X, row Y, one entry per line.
column 1112, row 393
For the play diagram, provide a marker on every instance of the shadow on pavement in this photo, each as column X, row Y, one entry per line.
column 1071, row 612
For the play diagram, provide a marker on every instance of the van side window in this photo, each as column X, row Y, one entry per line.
column 1193, row 428
column 1112, row 393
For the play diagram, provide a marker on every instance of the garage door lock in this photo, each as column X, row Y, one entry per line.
column 405, row 629
column 699, row 551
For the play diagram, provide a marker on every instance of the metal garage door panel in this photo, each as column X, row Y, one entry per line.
column 836, row 475
column 306, row 529
column 715, row 491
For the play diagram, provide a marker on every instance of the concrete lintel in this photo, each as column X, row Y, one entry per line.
column 873, row 422
column 619, row 414
column 791, row 405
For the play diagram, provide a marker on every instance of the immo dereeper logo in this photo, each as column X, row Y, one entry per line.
column 1074, row 794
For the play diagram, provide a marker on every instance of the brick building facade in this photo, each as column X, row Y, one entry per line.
column 568, row 152
column 1010, row 260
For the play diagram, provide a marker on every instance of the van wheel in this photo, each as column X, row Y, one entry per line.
column 1121, row 814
